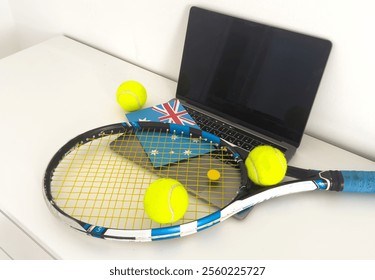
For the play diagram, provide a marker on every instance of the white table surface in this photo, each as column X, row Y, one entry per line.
column 53, row 91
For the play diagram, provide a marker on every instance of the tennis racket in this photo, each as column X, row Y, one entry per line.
column 96, row 181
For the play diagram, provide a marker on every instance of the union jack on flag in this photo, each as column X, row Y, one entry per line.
column 173, row 112
column 169, row 112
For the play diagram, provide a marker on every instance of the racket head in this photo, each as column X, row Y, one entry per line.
column 96, row 181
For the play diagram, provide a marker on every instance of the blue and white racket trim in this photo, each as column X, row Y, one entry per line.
column 212, row 219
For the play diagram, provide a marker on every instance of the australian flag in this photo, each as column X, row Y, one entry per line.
column 171, row 148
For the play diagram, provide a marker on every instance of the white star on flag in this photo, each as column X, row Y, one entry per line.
column 154, row 152
column 187, row 152
column 144, row 120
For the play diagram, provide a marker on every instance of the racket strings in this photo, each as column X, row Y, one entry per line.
column 192, row 172
column 103, row 181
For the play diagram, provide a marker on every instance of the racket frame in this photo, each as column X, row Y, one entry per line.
column 136, row 235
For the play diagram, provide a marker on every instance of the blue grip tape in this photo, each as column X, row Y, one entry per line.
column 359, row 181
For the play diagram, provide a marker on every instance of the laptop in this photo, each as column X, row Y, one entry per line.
column 248, row 82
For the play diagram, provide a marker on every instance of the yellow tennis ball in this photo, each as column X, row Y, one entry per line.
column 166, row 201
column 266, row 165
column 131, row 96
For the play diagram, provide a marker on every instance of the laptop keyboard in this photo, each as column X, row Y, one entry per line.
column 225, row 131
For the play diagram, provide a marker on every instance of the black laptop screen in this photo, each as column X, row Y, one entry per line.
column 256, row 75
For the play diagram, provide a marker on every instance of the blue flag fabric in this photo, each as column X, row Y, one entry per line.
column 170, row 148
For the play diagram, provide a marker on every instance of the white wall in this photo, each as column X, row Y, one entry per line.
column 151, row 33
column 8, row 39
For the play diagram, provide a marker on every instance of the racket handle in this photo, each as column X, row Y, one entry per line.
column 359, row 181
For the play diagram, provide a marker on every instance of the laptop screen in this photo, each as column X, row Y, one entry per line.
column 261, row 77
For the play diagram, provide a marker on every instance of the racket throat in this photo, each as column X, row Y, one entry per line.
column 331, row 180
